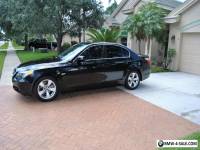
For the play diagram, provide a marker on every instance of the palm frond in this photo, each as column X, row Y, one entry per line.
column 104, row 35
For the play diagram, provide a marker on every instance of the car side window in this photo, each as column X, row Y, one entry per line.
column 94, row 52
column 115, row 51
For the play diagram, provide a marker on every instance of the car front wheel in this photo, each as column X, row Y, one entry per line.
column 46, row 89
column 132, row 80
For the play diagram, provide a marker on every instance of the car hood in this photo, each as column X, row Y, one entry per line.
column 41, row 64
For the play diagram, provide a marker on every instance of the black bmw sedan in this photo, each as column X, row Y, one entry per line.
column 81, row 65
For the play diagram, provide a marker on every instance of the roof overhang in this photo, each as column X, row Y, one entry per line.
column 128, row 11
column 174, row 16
column 131, row 8
column 117, row 10
column 172, row 19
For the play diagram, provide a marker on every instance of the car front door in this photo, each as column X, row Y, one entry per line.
column 87, row 71
column 117, row 61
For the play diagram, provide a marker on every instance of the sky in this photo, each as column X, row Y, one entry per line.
column 106, row 3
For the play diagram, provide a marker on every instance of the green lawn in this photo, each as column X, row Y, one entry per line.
column 25, row 56
column 2, row 57
column 4, row 46
column 194, row 136
column 17, row 46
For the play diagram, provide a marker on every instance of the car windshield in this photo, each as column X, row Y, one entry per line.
column 71, row 52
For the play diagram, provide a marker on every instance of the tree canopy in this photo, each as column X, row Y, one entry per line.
column 57, row 17
column 135, row 25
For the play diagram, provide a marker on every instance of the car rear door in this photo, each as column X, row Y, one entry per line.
column 117, row 61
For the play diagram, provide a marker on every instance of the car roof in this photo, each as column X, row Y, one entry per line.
column 104, row 43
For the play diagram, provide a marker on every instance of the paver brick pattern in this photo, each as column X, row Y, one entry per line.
column 101, row 119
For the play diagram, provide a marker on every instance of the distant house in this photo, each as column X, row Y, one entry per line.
column 127, row 7
column 68, row 39
column 184, row 36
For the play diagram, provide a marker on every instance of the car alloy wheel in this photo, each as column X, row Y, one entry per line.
column 133, row 80
column 47, row 89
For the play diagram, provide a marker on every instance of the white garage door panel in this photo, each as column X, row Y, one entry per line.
column 190, row 54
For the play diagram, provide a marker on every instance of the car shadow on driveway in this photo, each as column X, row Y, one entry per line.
column 74, row 93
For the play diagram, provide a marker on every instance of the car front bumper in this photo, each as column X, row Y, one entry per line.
column 22, row 87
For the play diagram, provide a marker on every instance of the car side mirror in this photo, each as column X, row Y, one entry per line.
column 80, row 59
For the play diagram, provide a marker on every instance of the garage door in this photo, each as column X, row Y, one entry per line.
column 190, row 54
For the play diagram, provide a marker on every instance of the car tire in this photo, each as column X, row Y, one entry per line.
column 132, row 80
column 46, row 89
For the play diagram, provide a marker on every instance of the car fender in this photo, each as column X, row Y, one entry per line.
column 40, row 74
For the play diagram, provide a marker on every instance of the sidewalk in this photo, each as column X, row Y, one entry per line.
column 11, row 61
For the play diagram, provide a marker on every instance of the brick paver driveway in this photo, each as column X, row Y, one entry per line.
column 103, row 119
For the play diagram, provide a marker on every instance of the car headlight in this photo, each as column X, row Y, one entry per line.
column 24, row 74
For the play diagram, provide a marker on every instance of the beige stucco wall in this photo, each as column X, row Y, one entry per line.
column 188, row 24
column 175, row 44
column 132, row 43
column 156, row 47
column 68, row 39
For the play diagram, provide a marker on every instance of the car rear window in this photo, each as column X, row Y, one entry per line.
column 115, row 51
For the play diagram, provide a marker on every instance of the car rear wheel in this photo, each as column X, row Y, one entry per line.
column 46, row 89
column 132, row 80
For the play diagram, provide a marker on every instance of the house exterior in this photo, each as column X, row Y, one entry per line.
column 127, row 7
column 68, row 39
column 184, row 36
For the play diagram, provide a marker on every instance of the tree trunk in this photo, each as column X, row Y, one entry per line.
column 150, row 48
column 26, row 42
column 59, row 42
column 83, row 35
column 139, row 46
column 146, row 46
column 79, row 37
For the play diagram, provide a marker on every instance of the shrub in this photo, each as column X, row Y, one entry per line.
column 154, row 61
column 104, row 34
column 171, row 53
column 155, row 69
column 73, row 43
column 65, row 46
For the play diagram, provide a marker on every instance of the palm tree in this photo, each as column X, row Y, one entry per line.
column 153, row 23
column 134, row 25
column 146, row 24
column 104, row 35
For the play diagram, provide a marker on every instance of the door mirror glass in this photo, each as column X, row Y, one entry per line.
column 80, row 59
